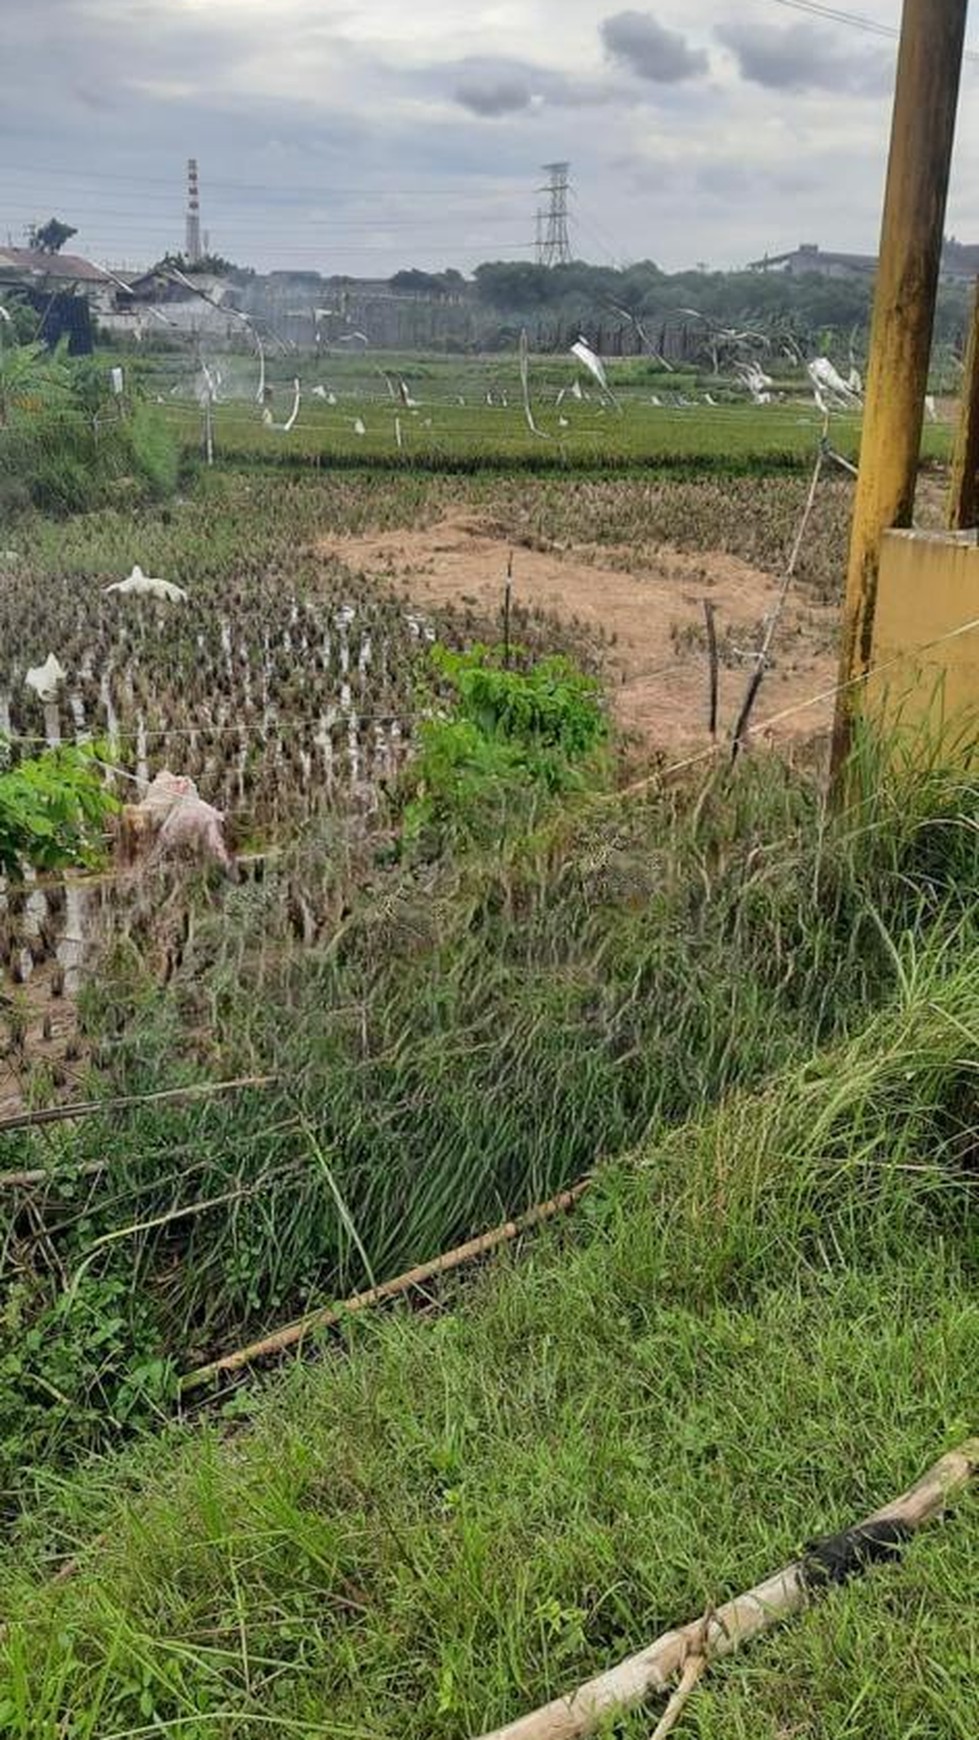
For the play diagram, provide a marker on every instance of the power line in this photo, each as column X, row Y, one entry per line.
column 328, row 226
column 855, row 20
column 589, row 222
column 435, row 190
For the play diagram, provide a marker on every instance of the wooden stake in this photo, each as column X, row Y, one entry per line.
column 712, row 657
column 653, row 1670
column 507, row 595
column 964, row 489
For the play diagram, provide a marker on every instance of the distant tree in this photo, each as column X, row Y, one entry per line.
column 51, row 237
column 214, row 264
column 426, row 283
column 514, row 284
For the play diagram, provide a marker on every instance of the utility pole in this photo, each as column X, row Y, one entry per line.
column 964, row 491
column 554, row 244
column 922, row 133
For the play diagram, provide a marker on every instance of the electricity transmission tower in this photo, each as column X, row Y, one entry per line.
column 553, row 243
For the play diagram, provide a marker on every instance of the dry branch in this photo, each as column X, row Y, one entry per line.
column 90, row 1108
column 329, row 1316
column 833, row 1559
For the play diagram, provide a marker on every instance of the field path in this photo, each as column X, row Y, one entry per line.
column 649, row 615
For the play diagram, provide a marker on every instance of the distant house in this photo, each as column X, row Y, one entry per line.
column 809, row 258
column 64, row 289
column 66, row 273
column 162, row 287
column 201, row 306
column 959, row 262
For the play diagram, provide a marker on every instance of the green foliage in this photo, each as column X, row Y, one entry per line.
column 51, row 237
column 53, row 811
column 18, row 322
column 428, row 283
column 473, row 1036
column 215, row 264
column 807, row 310
column 65, row 443
column 33, row 380
column 550, row 706
column 514, row 737
column 748, row 1335
column 696, row 441
column 79, row 1364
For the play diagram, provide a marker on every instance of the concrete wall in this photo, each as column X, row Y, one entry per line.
column 927, row 694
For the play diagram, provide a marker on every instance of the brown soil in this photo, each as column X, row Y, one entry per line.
column 649, row 618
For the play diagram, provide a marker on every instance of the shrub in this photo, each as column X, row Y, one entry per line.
column 515, row 738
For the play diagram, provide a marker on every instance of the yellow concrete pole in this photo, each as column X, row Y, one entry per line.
column 922, row 131
column 964, row 493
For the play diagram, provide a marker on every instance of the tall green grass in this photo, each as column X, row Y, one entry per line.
column 66, row 443
column 754, row 1330
column 460, row 1041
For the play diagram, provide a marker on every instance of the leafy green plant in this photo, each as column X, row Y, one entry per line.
column 86, row 1359
column 53, row 810
column 32, row 380
column 514, row 736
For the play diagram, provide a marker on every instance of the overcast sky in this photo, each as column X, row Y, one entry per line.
column 365, row 136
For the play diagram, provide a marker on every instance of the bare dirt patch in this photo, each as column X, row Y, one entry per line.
column 646, row 619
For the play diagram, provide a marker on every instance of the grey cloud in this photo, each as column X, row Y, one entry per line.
column 801, row 57
column 494, row 96
column 637, row 41
column 489, row 87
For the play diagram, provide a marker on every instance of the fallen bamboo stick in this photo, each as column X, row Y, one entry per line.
column 90, row 1108
column 327, row 1317
column 832, row 1559
column 35, row 1175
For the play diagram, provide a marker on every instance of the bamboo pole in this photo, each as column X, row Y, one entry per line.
column 923, row 128
column 90, row 1108
column 327, row 1317
column 963, row 498
column 879, row 1537
column 764, row 651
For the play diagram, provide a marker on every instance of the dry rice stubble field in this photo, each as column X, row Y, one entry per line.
column 269, row 681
